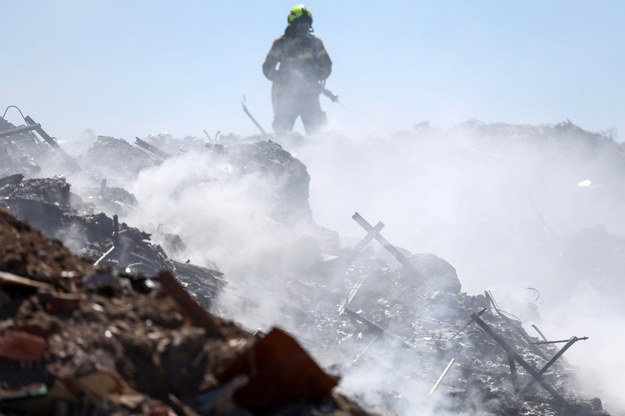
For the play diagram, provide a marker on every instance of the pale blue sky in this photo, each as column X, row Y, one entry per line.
column 134, row 67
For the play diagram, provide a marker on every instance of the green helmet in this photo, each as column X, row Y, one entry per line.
column 299, row 12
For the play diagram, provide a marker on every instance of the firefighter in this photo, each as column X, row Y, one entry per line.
column 298, row 66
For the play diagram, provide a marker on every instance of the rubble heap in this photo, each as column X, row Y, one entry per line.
column 78, row 338
column 433, row 343
column 128, row 330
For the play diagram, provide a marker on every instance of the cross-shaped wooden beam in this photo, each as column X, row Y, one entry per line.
column 374, row 233
column 368, row 238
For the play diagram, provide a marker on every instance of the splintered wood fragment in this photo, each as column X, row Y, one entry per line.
column 10, row 279
column 188, row 305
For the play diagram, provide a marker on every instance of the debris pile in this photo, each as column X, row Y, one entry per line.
column 128, row 330
column 461, row 353
column 78, row 338
column 119, row 162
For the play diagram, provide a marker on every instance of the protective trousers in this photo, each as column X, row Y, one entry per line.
column 287, row 106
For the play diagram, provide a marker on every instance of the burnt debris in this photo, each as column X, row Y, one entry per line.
column 98, row 318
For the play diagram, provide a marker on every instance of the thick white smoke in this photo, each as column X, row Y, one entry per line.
column 532, row 214
column 522, row 214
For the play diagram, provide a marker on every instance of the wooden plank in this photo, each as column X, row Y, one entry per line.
column 188, row 305
column 10, row 279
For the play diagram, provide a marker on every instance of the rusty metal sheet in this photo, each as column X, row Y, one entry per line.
column 21, row 346
column 279, row 371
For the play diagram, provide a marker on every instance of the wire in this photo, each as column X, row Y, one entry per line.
column 17, row 108
column 510, row 315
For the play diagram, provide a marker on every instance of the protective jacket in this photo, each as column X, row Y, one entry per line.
column 298, row 66
column 303, row 63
